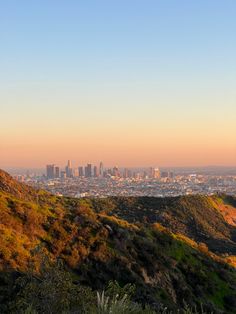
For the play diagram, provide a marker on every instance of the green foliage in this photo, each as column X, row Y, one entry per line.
column 116, row 304
column 188, row 310
column 113, row 289
column 168, row 257
column 50, row 291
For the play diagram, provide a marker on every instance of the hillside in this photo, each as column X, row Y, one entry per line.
column 152, row 243
column 16, row 189
column 208, row 219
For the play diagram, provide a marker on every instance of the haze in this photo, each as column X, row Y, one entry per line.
column 133, row 83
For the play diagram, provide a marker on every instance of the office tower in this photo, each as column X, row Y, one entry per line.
column 50, row 171
column 101, row 169
column 95, row 171
column 81, row 171
column 57, row 172
column 76, row 172
column 156, row 173
column 88, row 171
column 69, row 171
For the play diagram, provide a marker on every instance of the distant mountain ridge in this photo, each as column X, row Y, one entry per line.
column 169, row 248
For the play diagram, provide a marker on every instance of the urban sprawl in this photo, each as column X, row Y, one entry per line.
column 99, row 181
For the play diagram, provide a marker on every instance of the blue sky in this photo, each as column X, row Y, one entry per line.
column 74, row 40
column 109, row 68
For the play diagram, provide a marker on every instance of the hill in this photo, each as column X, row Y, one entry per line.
column 164, row 252
column 208, row 219
column 14, row 188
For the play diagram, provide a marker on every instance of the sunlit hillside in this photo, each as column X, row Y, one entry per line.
column 173, row 250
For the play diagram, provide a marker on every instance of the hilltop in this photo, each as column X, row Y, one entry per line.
column 171, row 249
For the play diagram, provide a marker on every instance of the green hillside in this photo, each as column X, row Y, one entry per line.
column 172, row 250
column 196, row 216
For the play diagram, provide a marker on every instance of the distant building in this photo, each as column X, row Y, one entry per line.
column 76, row 172
column 165, row 174
column 69, row 170
column 88, row 171
column 95, row 171
column 57, row 172
column 151, row 172
column 125, row 173
column 81, row 171
column 116, row 172
column 63, row 174
column 156, row 173
column 50, row 169
column 101, row 169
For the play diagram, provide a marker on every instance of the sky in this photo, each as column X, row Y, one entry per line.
column 128, row 82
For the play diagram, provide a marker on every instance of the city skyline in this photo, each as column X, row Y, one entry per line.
column 101, row 181
column 53, row 171
column 132, row 83
column 41, row 166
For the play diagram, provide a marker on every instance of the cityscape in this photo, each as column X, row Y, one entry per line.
column 118, row 157
column 98, row 181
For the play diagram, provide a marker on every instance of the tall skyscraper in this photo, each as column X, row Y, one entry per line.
column 101, row 169
column 69, row 170
column 81, row 171
column 57, row 172
column 75, row 172
column 88, row 171
column 50, row 169
column 95, row 171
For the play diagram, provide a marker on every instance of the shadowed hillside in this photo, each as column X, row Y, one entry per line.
column 157, row 244
column 208, row 219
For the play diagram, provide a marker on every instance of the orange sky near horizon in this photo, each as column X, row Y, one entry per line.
column 189, row 144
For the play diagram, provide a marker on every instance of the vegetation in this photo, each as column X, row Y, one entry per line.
column 59, row 255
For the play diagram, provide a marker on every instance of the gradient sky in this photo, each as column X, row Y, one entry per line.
column 129, row 82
